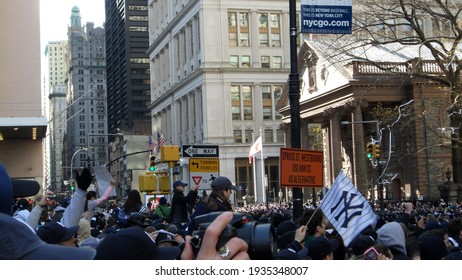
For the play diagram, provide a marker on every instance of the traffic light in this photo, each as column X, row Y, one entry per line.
column 152, row 163
column 376, row 151
column 369, row 150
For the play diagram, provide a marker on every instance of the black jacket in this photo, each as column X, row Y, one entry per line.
column 179, row 210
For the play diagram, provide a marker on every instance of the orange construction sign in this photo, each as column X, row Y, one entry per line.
column 301, row 168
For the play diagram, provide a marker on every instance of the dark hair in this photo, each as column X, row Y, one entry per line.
column 23, row 204
column 341, row 252
column 216, row 201
column 133, row 201
column 455, row 226
column 91, row 194
column 316, row 220
column 384, row 250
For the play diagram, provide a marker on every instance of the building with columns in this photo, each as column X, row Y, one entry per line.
column 354, row 101
column 217, row 72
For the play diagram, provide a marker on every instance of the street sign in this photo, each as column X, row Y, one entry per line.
column 301, row 168
column 326, row 16
column 200, row 151
column 202, row 171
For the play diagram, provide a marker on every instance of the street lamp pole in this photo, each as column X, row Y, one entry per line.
column 72, row 160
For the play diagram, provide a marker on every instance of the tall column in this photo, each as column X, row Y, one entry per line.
column 359, row 153
column 199, row 116
column 255, row 39
column 335, row 141
column 285, row 39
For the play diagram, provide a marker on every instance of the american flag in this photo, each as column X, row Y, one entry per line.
column 151, row 144
column 160, row 139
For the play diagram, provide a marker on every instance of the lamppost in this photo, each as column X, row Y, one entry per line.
column 72, row 162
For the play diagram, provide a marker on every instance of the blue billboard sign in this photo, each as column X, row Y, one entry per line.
column 326, row 16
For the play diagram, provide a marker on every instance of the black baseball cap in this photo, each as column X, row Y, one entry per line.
column 221, row 183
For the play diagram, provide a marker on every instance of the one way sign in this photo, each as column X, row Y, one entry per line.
column 200, row 151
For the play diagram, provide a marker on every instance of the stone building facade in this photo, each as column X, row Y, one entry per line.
column 387, row 102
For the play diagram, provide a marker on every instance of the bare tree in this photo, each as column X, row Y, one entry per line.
column 432, row 26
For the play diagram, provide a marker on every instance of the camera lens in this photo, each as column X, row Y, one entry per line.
column 260, row 239
column 264, row 243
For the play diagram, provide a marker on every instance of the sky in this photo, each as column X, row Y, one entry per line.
column 55, row 17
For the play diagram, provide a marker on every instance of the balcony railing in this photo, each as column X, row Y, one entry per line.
column 361, row 68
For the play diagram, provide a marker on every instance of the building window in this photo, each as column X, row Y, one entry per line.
column 245, row 60
column 236, row 103
column 280, row 136
column 247, row 102
column 267, row 102
column 248, row 136
column 237, row 136
column 234, row 61
column 238, row 29
column 265, row 61
column 270, row 96
column 277, row 91
column 269, row 30
column 277, row 62
column 268, row 136
column 263, row 29
column 241, row 103
column 244, row 178
column 275, row 30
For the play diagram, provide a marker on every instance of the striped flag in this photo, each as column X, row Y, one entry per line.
column 256, row 147
column 347, row 210
column 160, row 139
column 151, row 143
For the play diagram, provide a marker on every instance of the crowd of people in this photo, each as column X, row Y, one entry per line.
column 84, row 227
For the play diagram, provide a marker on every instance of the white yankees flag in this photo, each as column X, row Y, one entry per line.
column 347, row 210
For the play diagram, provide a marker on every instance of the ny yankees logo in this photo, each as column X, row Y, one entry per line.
column 346, row 207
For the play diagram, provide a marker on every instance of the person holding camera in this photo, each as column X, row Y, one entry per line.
column 235, row 249
column 218, row 200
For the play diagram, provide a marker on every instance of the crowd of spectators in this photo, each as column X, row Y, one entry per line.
column 139, row 230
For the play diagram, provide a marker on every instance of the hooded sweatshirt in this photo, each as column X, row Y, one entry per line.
column 392, row 235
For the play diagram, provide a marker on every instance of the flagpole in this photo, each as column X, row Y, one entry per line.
column 254, row 180
column 262, row 169
column 254, row 175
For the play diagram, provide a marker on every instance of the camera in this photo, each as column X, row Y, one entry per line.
column 259, row 237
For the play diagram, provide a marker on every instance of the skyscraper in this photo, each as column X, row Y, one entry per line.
column 86, row 96
column 128, row 79
column 57, row 68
